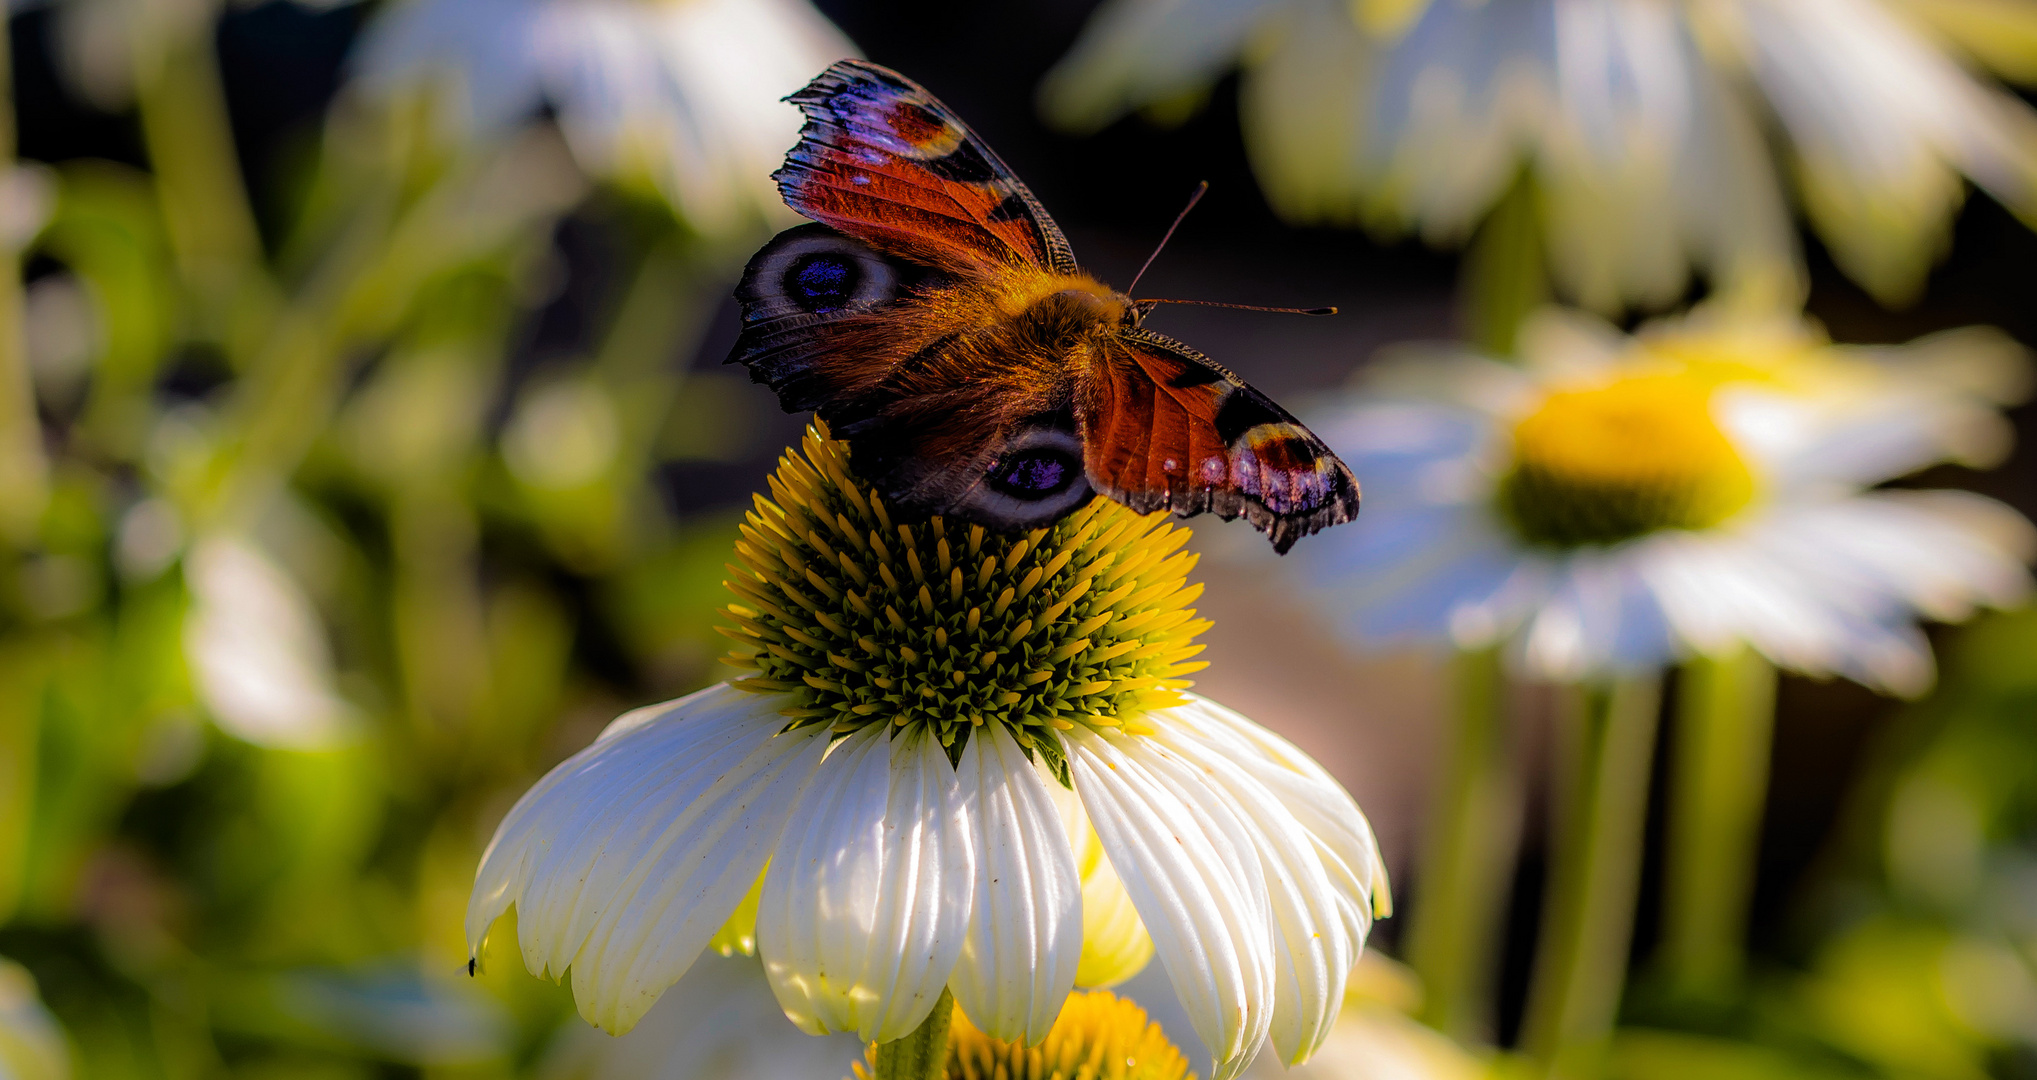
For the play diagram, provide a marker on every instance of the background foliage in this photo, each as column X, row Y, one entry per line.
column 336, row 513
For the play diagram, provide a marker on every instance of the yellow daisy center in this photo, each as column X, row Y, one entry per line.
column 865, row 619
column 1611, row 463
column 1098, row 1036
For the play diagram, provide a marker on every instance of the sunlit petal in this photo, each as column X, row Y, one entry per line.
column 626, row 859
column 1187, row 861
column 867, row 905
column 1025, row 924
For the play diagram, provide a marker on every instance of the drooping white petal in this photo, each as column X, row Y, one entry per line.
column 1115, row 944
column 1350, row 849
column 625, row 859
column 720, row 1022
column 1882, row 123
column 1598, row 616
column 1187, row 862
column 1025, row 924
column 867, row 904
column 1938, row 554
column 1319, row 928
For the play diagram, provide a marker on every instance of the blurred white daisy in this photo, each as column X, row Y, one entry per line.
column 1619, row 503
column 1639, row 120
column 920, row 695
column 32, row 1046
column 680, row 94
column 257, row 650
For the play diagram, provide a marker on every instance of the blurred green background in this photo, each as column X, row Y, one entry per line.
column 358, row 462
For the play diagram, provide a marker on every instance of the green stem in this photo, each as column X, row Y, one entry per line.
column 1505, row 270
column 923, row 1054
column 23, row 674
column 24, row 475
column 1595, row 870
column 1725, row 722
column 1468, row 859
column 212, row 232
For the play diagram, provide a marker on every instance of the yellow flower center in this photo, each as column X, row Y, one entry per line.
column 1615, row 462
column 864, row 619
column 1098, row 1036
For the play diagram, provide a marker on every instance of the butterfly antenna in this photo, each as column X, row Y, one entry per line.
column 1246, row 307
column 1200, row 189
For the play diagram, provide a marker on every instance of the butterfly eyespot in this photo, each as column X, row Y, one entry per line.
column 823, row 282
column 812, row 270
column 1035, row 474
column 1038, row 477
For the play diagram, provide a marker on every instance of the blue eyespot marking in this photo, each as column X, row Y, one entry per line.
column 1034, row 475
column 822, row 283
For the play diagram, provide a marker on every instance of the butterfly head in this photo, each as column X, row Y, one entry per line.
column 1083, row 301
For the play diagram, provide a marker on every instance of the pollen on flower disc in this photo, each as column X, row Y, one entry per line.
column 862, row 619
column 1605, row 464
column 1098, row 1036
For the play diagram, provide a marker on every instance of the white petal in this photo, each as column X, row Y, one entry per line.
column 1115, row 944
column 1320, row 928
column 1186, row 859
column 625, row 859
column 1025, row 924
column 720, row 1022
column 1310, row 793
column 1599, row 616
column 867, row 903
column 1881, row 119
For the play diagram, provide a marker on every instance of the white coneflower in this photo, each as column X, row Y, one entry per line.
column 1617, row 504
column 1639, row 121
column 920, row 692
column 683, row 94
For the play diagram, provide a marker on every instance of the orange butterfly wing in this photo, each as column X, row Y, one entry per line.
column 885, row 162
column 1164, row 427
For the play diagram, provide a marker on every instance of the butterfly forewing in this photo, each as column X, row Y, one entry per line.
column 882, row 160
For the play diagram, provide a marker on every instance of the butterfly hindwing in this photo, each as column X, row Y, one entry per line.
column 882, row 160
column 943, row 414
column 1164, row 427
column 804, row 296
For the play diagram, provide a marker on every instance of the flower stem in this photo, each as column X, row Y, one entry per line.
column 184, row 126
column 1504, row 270
column 24, row 475
column 923, row 1054
column 1725, row 722
column 1595, row 869
column 1468, row 857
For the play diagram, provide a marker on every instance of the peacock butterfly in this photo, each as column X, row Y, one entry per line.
column 933, row 315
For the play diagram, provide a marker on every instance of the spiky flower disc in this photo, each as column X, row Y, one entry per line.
column 1098, row 1036
column 865, row 619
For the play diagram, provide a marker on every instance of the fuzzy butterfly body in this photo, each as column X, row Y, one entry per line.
column 934, row 316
